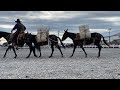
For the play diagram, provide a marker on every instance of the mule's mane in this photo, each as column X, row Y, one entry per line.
column 71, row 35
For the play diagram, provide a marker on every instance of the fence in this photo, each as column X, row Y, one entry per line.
column 104, row 46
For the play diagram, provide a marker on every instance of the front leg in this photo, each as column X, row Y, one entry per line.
column 73, row 50
column 34, row 52
column 9, row 47
column 39, row 49
column 14, row 51
column 31, row 49
column 84, row 51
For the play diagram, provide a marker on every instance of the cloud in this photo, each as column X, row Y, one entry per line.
column 98, row 21
column 6, row 26
column 52, row 15
column 98, row 30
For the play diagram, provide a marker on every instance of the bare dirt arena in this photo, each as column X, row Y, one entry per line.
column 57, row 67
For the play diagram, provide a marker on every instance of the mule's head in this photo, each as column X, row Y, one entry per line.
column 65, row 35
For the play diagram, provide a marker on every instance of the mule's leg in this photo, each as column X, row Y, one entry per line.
column 38, row 48
column 73, row 50
column 31, row 49
column 14, row 51
column 59, row 49
column 34, row 51
column 40, row 51
column 84, row 50
column 52, row 47
column 9, row 47
column 99, row 48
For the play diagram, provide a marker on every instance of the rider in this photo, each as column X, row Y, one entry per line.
column 20, row 28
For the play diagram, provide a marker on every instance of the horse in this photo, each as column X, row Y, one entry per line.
column 31, row 40
column 95, row 39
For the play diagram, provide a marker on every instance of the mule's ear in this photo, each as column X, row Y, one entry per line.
column 67, row 29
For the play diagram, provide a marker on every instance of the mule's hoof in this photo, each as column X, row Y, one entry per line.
column 98, row 56
column 70, row 56
column 3, row 56
column 50, row 56
column 36, row 56
column 15, row 57
column 27, row 57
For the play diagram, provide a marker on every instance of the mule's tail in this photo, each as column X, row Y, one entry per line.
column 61, row 42
column 105, row 41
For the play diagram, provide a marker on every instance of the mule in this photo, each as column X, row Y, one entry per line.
column 21, row 43
column 31, row 40
column 95, row 39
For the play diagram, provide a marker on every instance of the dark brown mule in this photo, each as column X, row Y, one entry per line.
column 95, row 38
column 53, row 41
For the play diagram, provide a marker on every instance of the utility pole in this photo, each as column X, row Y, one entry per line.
column 58, row 33
column 109, row 34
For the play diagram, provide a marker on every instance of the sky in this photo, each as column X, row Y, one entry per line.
column 98, row 21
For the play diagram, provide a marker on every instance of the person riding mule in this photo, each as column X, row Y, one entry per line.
column 14, row 36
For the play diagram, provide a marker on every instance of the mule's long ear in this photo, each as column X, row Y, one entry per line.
column 67, row 30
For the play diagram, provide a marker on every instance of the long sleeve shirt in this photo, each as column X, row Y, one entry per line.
column 19, row 27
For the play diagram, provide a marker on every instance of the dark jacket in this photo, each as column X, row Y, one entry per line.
column 19, row 27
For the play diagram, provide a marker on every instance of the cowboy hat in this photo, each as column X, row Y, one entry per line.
column 18, row 20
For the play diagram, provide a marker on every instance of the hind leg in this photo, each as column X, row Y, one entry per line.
column 52, row 47
column 59, row 49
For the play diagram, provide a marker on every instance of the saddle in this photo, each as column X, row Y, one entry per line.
column 20, row 38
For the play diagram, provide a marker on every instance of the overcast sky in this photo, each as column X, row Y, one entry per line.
column 98, row 21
